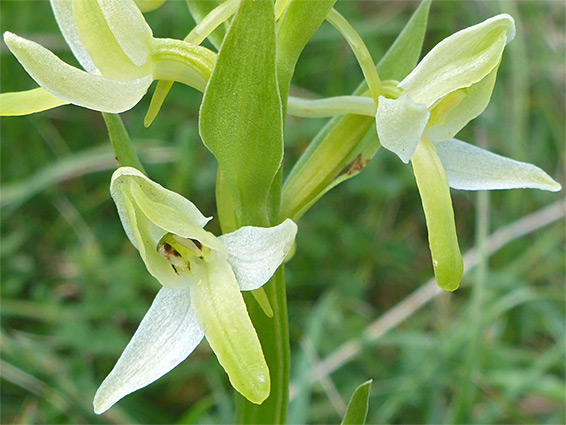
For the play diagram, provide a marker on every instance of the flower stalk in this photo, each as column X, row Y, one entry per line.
column 360, row 51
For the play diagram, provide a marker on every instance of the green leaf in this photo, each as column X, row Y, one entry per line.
column 240, row 116
column 358, row 406
column 298, row 24
column 199, row 9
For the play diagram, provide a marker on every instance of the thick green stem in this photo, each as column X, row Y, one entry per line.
column 121, row 143
column 274, row 336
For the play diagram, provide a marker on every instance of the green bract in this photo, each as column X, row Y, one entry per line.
column 114, row 44
column 240, row 117
column 448, row 88
column 202, row 277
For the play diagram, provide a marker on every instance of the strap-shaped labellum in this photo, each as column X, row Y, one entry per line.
column 437, row 205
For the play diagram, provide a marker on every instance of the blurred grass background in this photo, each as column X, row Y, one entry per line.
column 74, row 289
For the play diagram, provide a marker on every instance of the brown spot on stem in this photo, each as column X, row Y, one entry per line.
column 357, row 166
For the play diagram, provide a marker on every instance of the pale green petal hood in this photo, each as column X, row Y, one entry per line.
column 129, row 27
column 63, row 11
column 460, row 60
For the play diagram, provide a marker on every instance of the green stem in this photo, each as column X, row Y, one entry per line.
column 272, row 332
column 274, row 336
column 121, row 143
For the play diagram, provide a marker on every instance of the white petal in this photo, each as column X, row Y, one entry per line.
column 400, row 124
column 72, row 84
column 63, row 11
column 471, row 168
column 168, row 333
column 129, row 27
column 255, row 252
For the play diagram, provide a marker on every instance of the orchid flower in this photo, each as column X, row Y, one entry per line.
column 448, row 88
column 114, row 44
column 202, row 276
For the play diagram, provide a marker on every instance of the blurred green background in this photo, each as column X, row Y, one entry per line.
column 74, row 289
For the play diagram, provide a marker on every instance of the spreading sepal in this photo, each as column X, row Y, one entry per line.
column 114, row 44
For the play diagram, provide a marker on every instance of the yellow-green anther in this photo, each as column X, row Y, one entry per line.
column 184, row 254
column 442, row 108
column 360, row 51
column 169, row 250
column 437, row 205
